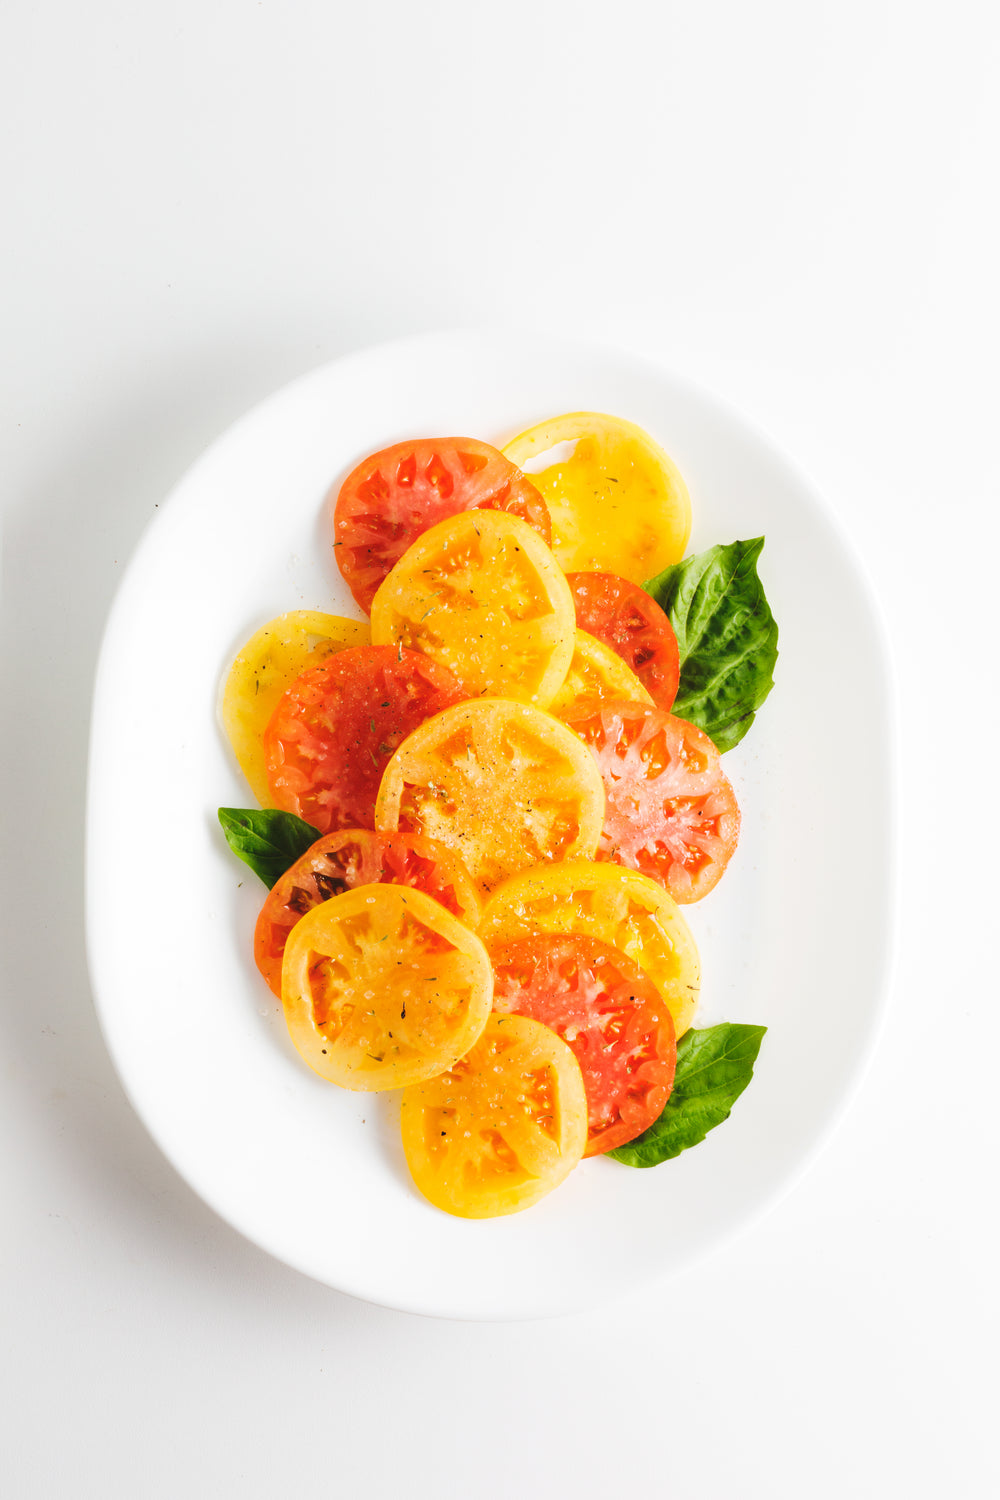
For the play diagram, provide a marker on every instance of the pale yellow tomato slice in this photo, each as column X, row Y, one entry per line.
column 268, row 664
column 596, row 674
column 502, row 1127
column 615, row 905
column 502, row 784
column 383, row 987
column 481, row 593
column 617, row 501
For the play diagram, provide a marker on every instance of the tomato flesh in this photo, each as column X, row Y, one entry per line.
column 670, row 810
column 337, row 726
column 612, row 1016
column 626, row 618
column 341, row 862
column 395, row 495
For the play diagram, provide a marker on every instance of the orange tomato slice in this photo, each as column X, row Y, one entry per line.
column 502, row 785
column 502, row 1127
column 481, row 594
column 383, row 987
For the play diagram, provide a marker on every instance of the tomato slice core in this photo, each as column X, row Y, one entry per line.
column 612, row 1016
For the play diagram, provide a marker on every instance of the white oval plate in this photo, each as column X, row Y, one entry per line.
column 796, row 936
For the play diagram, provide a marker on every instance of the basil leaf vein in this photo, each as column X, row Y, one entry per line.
column 267, row 840
column 727, row 637
column 714, row 1066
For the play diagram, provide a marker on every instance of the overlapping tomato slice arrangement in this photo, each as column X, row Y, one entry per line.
column 507, row 812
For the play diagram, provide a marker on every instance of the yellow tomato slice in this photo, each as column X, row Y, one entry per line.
column 502, row 784
column 268, row 664
column 480, row 593
column 617, row 501
column 383, row 987
column 596, row 673
column 616, row 905
column 501, row 1128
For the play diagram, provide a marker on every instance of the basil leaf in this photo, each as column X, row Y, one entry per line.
column 266, row 839
column 714, row 1066
column 726, row 635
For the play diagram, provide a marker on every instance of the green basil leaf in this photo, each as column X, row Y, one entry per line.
column 714, row 1066
column 726, row 635
column 266, row 839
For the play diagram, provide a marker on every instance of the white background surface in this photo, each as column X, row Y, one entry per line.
column 795, row 204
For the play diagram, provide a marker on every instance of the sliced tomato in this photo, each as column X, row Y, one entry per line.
column 670, row 810
column 501, row 783
column 623, row 616
column 502, row 1126
column 335, row 729
column 616, row 500
column 396, row 494
column 481, row 594
column 340, row 862
column 381, row 987
column 612, row 1016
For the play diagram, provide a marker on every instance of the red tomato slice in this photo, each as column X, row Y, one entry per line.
column 350, row 858
column 670, row 811
column 612, row 1016
column 335, row 729
column 395, row 495
column 623, row 616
